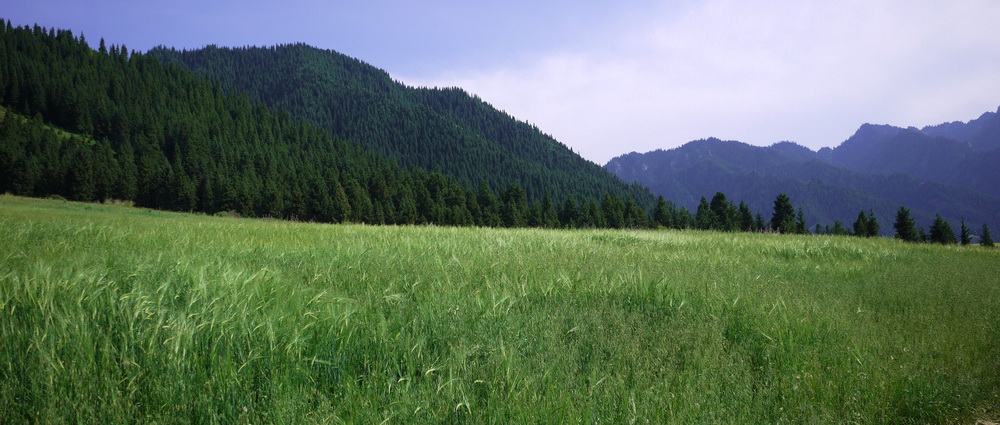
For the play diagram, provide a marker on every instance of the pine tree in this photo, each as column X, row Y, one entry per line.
column 759, row 223
column 488, row 205
column 966, row 237
column 549, row 216
column 800, row 223
column 704, row 218
column 871, row 225
column 985, row 239
column 861, row 225
column 905, row 227
column 783, row 218
column 341, row 206
column 682, row 220
column 570, row 212
column 746, row 221
column 514, row 206
column 941, row 232
column 635, row 217
column 723, row 212
column 590, row 215
column 614, row 211
column 661, row 213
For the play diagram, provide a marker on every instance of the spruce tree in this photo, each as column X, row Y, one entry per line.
column 861, row 225
column 635, row 217
column 549, row 215
column 985, row 239
column 966, row 237
column 838, row 229
column 800, row 223
column 872, row 227
column 906, row 229
column 941, row 232
column 341, row 207
column 746, row 221
column 725, row 214
column 614, row 211
column 514, row 206
column 759, row 223
column 682, row 220
column 488, row 207
column 661, row 213
column 704, row 218
column 783, row 218
column 569, row 213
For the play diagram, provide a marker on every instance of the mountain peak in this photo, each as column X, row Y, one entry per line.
column 980, row 133
column 794, row 151
column 868, row 130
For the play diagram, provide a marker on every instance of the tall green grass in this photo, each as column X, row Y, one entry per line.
column 111, row 314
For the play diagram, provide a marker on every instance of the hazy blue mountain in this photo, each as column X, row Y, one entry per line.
column 827, row 184
column 982, row 134
column 955, row 154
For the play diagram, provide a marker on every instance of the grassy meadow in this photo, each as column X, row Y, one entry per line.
column 111, row 314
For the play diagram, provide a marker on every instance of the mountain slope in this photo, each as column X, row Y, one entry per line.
column 824, row 191
column 442, row 129
column 141, row 131
column 923, row 154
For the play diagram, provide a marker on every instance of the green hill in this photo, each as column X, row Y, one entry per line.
column 444, row 129
column 164, row 138
column 120, row 315
column 91, row 124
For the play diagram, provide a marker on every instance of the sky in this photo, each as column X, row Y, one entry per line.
column 608, row 78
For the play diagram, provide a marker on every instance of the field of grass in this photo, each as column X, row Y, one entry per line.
column 111, row 314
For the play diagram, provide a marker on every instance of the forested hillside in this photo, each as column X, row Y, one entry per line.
column 102, row 124
column 166, row 139
column 827, row 193
column 444, row 129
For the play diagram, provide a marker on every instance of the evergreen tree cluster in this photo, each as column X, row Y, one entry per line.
column 722, row 215
column 866, row 225
column 940, row 231
column 117, row 124
column 446, row 129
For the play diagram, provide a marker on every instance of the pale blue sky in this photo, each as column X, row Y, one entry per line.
column 607, row 78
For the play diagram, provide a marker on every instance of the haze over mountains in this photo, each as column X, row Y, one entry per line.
column 948, row 169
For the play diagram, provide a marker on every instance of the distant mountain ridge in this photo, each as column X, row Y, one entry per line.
column 981, row 133
column 922, row 154
column 445, row 129
column 948, row 169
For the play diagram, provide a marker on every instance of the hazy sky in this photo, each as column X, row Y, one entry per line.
column 607, row 78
